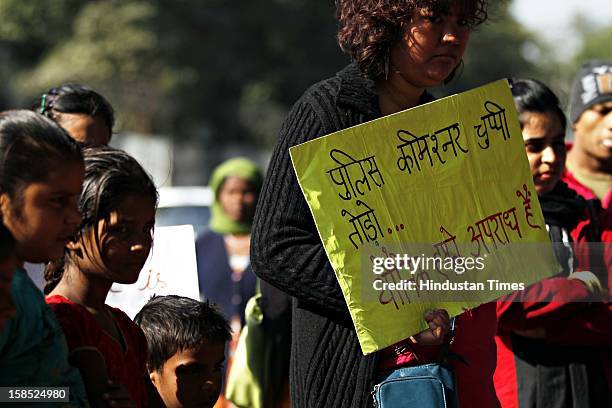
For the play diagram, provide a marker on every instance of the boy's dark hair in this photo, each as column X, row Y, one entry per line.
column 31, row 146
column 531, row 95
column 173, row 323
column 110, row 175
column 75, row 98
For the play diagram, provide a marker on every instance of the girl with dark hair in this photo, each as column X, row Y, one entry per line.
column 41, row 173
column 85, row 114
column 399, row 48
column 118, row 205
column 537, row 365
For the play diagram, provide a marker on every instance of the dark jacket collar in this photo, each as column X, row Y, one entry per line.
column 358, row 92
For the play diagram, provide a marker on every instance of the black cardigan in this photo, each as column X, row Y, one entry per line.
column 328, row 368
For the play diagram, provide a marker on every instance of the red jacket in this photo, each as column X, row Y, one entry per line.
column 581, row 232
column 564, row 321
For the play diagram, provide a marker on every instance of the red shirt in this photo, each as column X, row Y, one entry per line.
column 82, row 330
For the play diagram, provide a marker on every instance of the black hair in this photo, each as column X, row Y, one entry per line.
column 31, row 146
column 110, row 175
column 173, row 323
column 75, row 98
column 531, row 95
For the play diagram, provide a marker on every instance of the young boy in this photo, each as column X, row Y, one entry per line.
column 186, row 341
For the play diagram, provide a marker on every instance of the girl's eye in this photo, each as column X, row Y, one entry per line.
column 534, row 147
column 464, row 22
column 121, row 230
column 434, row 19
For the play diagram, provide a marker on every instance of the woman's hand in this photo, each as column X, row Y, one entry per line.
column 439, row 327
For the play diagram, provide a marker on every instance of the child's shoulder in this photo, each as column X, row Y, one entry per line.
column 75, row 319
column 125, row 322
column 61, row 305
column 134, row 335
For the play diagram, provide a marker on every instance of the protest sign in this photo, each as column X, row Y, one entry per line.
column 413, row 204
column 170, row 270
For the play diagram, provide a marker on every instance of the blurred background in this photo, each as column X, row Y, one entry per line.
column 194, row 82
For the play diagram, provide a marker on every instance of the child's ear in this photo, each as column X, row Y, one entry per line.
column 152, row 375
column 5, row 206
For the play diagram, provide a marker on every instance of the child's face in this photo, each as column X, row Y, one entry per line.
column 46, row 216
column 238, row 198
column 192, row 378
column 124, row 242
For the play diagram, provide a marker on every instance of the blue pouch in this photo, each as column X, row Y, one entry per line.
column 424, row 386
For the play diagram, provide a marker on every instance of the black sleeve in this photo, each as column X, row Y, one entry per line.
column 286, row 250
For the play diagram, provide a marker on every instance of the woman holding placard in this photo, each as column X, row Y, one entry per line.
column 398, row 48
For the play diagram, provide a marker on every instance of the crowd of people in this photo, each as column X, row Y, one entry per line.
column 87, row 211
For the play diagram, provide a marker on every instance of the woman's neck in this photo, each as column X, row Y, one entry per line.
column 86, row 290
column 396, row 94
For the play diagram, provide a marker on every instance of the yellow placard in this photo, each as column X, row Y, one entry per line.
column 445, row 182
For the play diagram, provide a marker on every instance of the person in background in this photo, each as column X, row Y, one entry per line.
column 589, row 160
column 222, row 251
column 41, row 174
column 187, row 341
column 85, row 114
column 399, row 49
column 536, row 366
column 115, row 236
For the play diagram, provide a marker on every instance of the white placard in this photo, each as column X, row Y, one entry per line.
column 170, row 270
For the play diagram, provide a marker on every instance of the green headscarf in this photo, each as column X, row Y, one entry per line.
column 237, row 167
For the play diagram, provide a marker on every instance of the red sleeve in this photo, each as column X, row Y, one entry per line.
column 601, row 248
column 76, row 323
column 592, row 326
column 134, row 337
column 542, row 304
column 142, row 347
column 136, row 360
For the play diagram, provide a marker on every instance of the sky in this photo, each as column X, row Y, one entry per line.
column 551, row 19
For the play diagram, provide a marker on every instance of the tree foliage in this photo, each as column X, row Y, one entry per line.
column 209, row 70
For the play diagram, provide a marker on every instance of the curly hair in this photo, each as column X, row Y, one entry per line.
column 368, row 28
